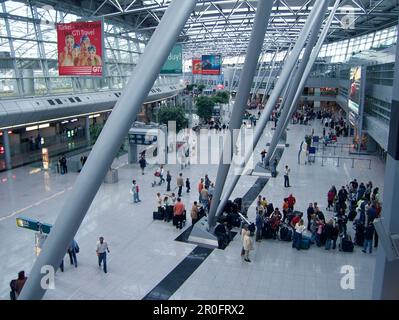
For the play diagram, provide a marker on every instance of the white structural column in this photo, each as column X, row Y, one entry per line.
column 386, row 273
column 104, row 151
column 299, row 80
column 312, row 60
column 244, row 88
column 87, row 129
column 7, row 149
column 319, row 8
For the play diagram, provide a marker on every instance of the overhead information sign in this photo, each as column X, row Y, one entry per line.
column 80, row 48
column 174, row 62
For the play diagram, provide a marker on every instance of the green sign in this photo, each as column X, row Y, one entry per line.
column 174, row 63
column 34, row 225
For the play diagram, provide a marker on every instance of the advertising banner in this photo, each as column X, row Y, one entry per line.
column 174, row 62
column 211, row 64
column 197, row 66
column 355, row 89
column 80, row 48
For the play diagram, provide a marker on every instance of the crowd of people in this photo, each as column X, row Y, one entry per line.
column 357, row 202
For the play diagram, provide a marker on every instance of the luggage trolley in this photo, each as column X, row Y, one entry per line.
column 312, row 154
column 316, row 140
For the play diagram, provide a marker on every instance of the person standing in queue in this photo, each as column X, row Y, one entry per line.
column 101, row 250
column 178, row 212
column 194, row 212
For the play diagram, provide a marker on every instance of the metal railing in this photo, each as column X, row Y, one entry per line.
column 353, row 159
column 335, row 146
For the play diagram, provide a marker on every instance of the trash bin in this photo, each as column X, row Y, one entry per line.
column 111, row 176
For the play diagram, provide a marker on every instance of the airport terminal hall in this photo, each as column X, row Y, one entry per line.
column 179, row 150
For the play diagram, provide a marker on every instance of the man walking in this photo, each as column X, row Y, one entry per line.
column 72, row 251
column 180, row 183
column 101, row 250
column 286, row 177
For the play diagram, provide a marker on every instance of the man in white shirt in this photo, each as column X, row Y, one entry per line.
column 101, row 250
column 286, row 178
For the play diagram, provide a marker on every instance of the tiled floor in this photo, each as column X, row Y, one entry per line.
column 143, row 251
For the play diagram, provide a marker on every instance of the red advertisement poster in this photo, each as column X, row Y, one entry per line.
column 197, row 66
column 80, row 49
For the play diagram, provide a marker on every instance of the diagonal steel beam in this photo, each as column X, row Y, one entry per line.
column 92, row 175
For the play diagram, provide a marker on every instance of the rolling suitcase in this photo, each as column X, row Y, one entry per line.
column 267, row 231
column 346, row 244
column 305, row 243
column 156, row 215
column 285, row 234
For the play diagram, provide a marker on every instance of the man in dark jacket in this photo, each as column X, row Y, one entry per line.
column 368, row 237
column 342, row 196
column 168, row 180
column 310, row 212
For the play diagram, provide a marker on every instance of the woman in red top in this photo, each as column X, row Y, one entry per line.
column 330, row 199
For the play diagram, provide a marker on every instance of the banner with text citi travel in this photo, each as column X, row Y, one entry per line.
column 80, row 48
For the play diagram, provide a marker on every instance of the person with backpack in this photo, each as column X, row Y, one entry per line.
column 135, row 192
column 368, row 238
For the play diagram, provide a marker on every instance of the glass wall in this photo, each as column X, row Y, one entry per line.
column 339, row 51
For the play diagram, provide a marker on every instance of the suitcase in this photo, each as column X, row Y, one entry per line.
column 285, row 234
column 156, row 215
column 305, row 243
column 346, row 244
column 267, row 232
